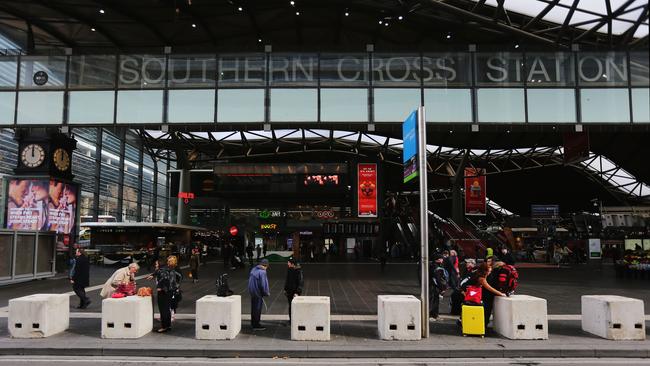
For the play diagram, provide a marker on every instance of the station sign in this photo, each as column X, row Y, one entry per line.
column 409, row 156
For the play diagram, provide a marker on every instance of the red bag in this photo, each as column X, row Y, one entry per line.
column 127, row 289
column 474, row 295
column 508, row 279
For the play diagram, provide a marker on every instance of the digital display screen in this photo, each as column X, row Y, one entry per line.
column 321, row 180
column 38, row 204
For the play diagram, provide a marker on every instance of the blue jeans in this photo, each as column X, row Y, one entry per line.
column 256, row 311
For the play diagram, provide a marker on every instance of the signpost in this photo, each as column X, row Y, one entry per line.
column 415, row 165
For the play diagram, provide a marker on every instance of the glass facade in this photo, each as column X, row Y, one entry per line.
column 461, row 87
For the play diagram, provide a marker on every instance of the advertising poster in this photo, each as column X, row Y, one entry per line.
column 40, row 204
column 475, row 192
column 409, row 136
column 367, row 190
column 595, row 250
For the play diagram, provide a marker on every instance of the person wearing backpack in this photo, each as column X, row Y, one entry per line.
column 438, row 284
column 167, row 288
column 489, row 283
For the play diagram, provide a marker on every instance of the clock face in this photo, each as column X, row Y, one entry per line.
column 61, row 159
column 32, row 155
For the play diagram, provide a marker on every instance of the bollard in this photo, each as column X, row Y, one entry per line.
column 39, row 315
column 521, row 317
column 399, row 317
column 218, row 317
column 128, row 317
column 310, row 318
column 613, row 317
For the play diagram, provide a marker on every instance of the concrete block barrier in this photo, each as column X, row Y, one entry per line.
column 218, row 317
column 128, row 317
column 613, row 317
column 310, row 318
column 399, row 317
column 39, row 315
column 521, row 317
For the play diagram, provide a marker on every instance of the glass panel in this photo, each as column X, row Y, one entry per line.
column 602, row 69
column 344, row 70
column 239, row 70
column 503, row 69
column 394, row 105
column 639, row 68
column 448, row 105
column 641, row 105
column 343, row 105
column 40, row 107
column 6, row 253
column 142, row 71
column 191, row 106
column 240, row 105
column 294, row 105
column 91, row 106
column 552, row 105
column 604, row 105
column 7, row 107
column 45, row 253
column 299, row 70
column 447, row 69
column 25, row 254
column 392, row 69
column 8, row 69
column 139, row 106
column 501, row 105
column 92, row 71
column 192, row 71
column 550, row 69
column 42, row 72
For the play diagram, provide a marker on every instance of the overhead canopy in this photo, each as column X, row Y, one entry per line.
column 241, row 25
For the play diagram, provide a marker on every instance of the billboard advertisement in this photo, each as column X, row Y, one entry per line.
column 409, row 136
column 367, row 190
column 475, row 192
column 41, row 204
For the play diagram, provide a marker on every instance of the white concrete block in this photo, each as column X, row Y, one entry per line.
column 613, row 317
column 399, row 317
column 310, row 318
column 128, row 317
column 218, row 317
column 521, row 317
column 39, row 315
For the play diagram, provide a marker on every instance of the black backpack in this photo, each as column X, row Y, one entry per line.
column 223, row 289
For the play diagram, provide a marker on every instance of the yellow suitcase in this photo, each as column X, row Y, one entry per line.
column 473, row 320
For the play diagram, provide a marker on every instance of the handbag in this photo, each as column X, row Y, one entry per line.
column 128, row 289
column 473, row 295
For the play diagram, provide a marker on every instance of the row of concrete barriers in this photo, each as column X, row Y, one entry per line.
column 398, row 317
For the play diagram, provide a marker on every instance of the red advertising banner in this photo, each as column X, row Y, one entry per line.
column 475, row 192
column 367, row 190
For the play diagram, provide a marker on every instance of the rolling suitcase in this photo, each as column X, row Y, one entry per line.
column 473, row 320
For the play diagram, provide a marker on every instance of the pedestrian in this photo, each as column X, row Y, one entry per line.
column 258, row 287
column 81, row 278
column 438, row 284
column 294, row 282
column 167, row 285
column 488, row 283
column 226, row 253
column 123, row 276
column 258, row 249
column 506, row 256
column 194, row 265
column 264, row 249
column 450, row 264
column 249, row 253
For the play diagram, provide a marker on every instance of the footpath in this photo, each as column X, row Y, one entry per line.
column 351, row 337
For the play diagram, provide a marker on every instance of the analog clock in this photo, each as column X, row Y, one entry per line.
column 32, row 155
column 61, row 159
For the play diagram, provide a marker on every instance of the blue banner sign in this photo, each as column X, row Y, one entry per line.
column 409, row 136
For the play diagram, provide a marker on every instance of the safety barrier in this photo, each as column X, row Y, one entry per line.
column 399, row 317
column 39, row 315
column 218, row 317
column 310, row 318
column 613, row 317
column 128, row 317
column 521, row 317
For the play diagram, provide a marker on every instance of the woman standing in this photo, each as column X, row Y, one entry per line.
column 194, row 265
column 167, row 284
column 484, row 279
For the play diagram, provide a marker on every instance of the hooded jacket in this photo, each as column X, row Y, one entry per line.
column 258, row 283
column 294, row 282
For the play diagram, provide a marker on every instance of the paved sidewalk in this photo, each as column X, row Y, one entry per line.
column 350, row 339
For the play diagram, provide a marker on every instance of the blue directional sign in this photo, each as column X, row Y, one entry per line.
column 410, row 141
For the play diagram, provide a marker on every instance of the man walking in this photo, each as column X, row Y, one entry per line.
column 294, row 282
column 258, row 287
column 80, row 278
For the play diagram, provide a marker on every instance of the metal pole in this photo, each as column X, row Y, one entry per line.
column 424, row 220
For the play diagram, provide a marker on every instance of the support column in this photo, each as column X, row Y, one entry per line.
column 154, row 193
column 183, row 216
column 98, row 170
column 138, row 214
column 457, row 183
column 120, row 180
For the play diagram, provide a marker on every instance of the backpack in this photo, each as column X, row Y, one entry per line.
column 223, row 290
column 473, row 295
column 441, row 279
column 507, row 279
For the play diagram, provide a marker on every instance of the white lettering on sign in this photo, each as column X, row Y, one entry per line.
column 339, row 68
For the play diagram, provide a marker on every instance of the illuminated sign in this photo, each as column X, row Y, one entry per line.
column 367, row 190
column 268, row 226
column 265, row 214
column 233, row 230
column 324, row 214
column 186, row 196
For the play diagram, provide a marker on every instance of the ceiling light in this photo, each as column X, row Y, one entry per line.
column 297, row 13
column 517, row 45
column 292, row 3
column 347, row 14
column 381, row 22
column 240, row 8
column 193, row 25
column 448, row 35
column 259, row 40
column 605, row 76
column 101, row 11
column 386, row 24
column 400, row 17
column 93, row 29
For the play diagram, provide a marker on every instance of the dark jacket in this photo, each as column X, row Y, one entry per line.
column 294, row 282
column 167, row 279
column 81, row 271
column 194, row 262
column 454, row 277
column 258, row 283
column 507, row 258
